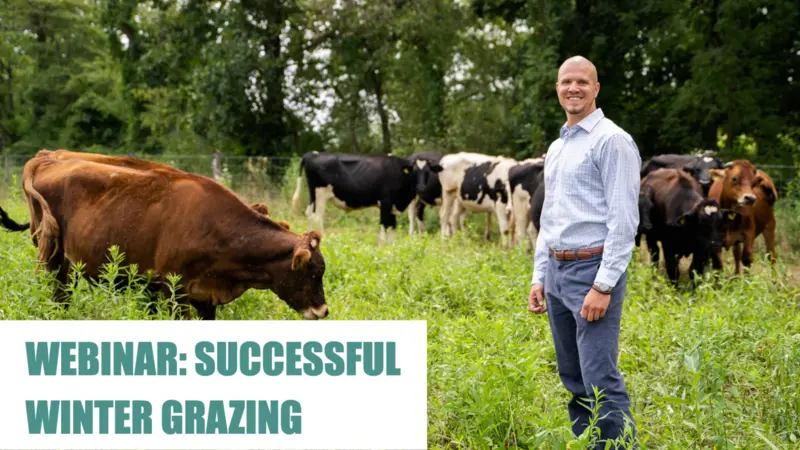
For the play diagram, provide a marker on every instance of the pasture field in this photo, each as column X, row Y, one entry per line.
column 717, row 366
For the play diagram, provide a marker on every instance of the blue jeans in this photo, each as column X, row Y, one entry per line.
column 586, row 352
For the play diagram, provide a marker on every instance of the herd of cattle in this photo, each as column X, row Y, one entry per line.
column 693, row 205
column 173, row 222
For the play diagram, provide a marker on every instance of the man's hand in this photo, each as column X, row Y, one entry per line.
column 595, row 305
column 536, row 299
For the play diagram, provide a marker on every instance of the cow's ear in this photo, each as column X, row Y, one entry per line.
column 314, row 238
column 300, row 258
column 730, row 217
column 716, row 174
column 284, row 224
column 687, row 169
column 260, row 208
column 686, row 219
column 436, row 168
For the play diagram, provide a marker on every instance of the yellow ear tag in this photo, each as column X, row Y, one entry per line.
column 682, row 221
column 405, row 170
column 731, row 216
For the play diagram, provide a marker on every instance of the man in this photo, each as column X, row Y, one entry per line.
column 588, row 225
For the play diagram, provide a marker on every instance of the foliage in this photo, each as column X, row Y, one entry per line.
column 290, row 76
column 717, row 366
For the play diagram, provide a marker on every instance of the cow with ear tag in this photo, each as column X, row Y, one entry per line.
column 683, row 221
column 751, row 192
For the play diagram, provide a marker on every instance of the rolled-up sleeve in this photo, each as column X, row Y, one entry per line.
column 619, row 163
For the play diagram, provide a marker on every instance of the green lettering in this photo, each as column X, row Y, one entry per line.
column 171, row 419
column 83, row 417
column 42, row 416
column 335, row 365
column 236, row 418
column 205, row 367
column 216, row 418
column 373, row 358
column 352, row 356
column 142, row 422
column 246, row 351
column 103, row 407
column 87, row 358
column 120, row 416
column 272, row 349
column 67, row 358
column 391, row 359
column 195, row 421
column 123, row 358
column 292, row 358
column 144, row 359
column 291, row 421
column 167, row 358
column 42, row 357
column 226, row 358
column 313, row 366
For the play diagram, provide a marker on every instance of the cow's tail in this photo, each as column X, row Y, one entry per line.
column 296, row 196
column 10, row 225
column 47, row 233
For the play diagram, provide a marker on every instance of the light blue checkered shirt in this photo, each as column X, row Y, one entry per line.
column 591, row 176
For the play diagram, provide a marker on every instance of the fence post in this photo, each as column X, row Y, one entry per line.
column 216, row 166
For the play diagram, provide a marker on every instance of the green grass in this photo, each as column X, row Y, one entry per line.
column 715, row 367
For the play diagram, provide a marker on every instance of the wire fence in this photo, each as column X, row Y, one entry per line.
column 271, row 171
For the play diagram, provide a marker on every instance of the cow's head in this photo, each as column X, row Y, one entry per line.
column 423, row 172
column 707, row 223
column 699, row 170
column 645, row 209
column 300, row 284
column 737, row 181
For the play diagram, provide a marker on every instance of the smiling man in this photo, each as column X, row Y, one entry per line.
column 585, row 242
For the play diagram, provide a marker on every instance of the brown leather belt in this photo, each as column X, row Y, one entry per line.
column 572, row 255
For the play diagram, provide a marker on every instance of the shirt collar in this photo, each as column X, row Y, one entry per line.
column 588, row 123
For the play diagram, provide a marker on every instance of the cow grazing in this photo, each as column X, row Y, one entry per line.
column 427, row 187
column 741, row 186
column 354, row 182
column 10, row 225
column 683, row 221
column 170, row 222
column 476, row 183
column 697, row 166
column 524, row 179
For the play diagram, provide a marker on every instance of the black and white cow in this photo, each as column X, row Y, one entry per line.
column 428, row 189
column 524, row 180
column 353, row 182
column 476, row 183
column 695, row 165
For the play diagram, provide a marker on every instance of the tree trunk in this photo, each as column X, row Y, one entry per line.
column 387, row 138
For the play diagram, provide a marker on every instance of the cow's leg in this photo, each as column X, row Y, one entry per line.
column 457, row 210
column 62, row 269
column 522, row 217
column 388, row 221
column 716, row 260
column 532, row 236
column 737, row 257
column 205, row 310
column 652, row 247
column 671, row 264
column 487, row 229
column 448, row 198
column 769, row 239
column 420, row 210
column 502, row 224
column 412, row 207
column 699, row 260
column 323, row 195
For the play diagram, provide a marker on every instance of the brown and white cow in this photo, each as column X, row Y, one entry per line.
column 170, row 222
column 751, row 192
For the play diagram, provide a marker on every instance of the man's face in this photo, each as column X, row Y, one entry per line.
column 577, row 88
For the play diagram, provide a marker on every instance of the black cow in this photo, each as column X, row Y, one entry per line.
column 354, row 182
column 695, row 165
column 10, row 225
column 683, row 221
column 427, row 186
column 524, row 179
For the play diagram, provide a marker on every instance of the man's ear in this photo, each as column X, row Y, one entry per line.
column 716, row 174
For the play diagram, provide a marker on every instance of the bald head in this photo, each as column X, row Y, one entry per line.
column 581, row 62
column 577, row 88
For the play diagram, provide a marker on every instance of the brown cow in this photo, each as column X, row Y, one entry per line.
column 171, row 222
column 751, row 192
